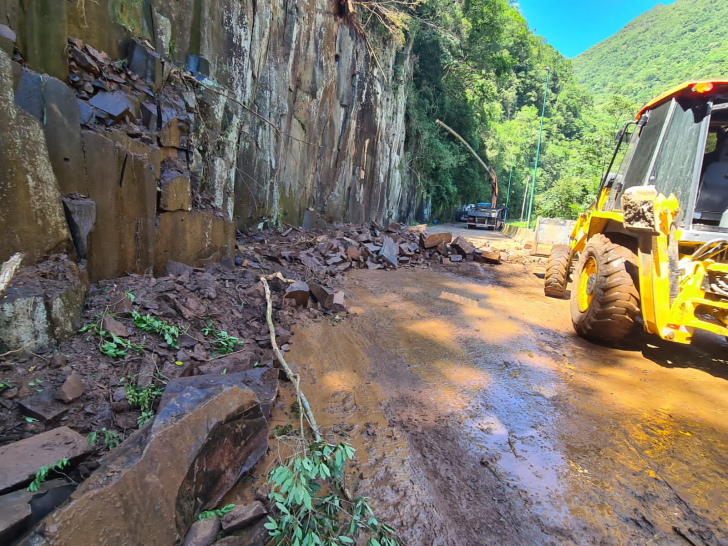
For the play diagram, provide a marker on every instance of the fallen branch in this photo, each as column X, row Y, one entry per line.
column 18, row 350
column 8, row 272
column 294, row 378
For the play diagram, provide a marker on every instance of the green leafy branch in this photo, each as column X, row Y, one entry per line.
column 111, row 439
column 142, row 398
column 222, row 342
column 148, row 323
column 42, row 474
column 110, row 344
column 312, row 510
column 220, row 512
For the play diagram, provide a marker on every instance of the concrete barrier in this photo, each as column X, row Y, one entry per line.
column 520, row 234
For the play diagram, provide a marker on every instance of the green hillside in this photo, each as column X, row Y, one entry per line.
column 658, row 50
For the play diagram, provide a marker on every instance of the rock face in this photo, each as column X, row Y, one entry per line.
column 165, row 474
column 31, row 212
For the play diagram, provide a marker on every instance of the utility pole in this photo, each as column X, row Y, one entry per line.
column 525, row 196
column 538, row 148
column 508, row 194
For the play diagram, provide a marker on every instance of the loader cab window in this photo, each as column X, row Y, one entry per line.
column 675, row 165
column 711, row 206
column 638, row 159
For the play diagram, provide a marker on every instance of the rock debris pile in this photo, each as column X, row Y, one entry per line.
column 178, row 363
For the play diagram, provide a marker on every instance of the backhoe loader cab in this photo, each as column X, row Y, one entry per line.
column 655, row 241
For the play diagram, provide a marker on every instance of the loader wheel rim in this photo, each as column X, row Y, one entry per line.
column 587, row 282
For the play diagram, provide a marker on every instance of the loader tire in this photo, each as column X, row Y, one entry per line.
column 604, row 297
column 557, row 271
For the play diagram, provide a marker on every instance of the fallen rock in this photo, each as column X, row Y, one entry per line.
column 44, row 407
column 323, row 295
column 431, row 240
column 150, row 489
column 298, row 292
column 242, row 516
column 389, row 252
column 19, row 509
column 462, row 246
column 120, row 305
column 114, row 327
column 57, row 361
column 21, row 460
column 416, row 229
column 491, row 257
column 71, row 390
column 203, row 532
column 353, row 253
column 177, row 268
column 116, row 105
column 456, row 258
column 262, row 381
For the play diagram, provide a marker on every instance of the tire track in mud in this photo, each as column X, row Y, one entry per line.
column 481, row 419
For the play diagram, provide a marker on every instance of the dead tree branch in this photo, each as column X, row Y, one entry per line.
column 294, row 378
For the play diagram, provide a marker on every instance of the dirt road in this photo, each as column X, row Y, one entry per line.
column 480, row 417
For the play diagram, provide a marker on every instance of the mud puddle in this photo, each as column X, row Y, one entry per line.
column 479, row 418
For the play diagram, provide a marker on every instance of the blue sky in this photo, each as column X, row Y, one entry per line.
column 573, row 26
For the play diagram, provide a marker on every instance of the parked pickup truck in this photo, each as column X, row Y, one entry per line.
column 484, row 216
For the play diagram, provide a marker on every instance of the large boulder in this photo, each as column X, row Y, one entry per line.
column 43, row 306
column 150, row 489
column 262, row 381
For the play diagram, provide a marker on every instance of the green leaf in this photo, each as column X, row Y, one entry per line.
column 345, row 539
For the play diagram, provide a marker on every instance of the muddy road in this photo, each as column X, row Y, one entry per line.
column 481, row 418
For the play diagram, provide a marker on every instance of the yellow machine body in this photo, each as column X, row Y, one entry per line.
column 680, row 256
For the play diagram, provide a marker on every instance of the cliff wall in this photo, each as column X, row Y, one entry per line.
column 158, row 126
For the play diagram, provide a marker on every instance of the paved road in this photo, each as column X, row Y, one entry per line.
column 481, row 418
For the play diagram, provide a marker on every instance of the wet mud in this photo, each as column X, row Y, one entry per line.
column 481, row 418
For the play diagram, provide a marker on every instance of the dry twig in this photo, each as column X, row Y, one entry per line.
column 294, row 378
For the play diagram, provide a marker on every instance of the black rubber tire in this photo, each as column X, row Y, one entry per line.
column 557, row 271
column 470, row 227
column 615, row 303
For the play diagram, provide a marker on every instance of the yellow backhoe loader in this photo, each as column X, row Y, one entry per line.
column 654, row 244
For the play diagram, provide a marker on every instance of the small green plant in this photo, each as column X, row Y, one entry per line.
column 222, row 342
column 111, row 439
column 31, row 419
column 110, row 344
column 312, row 509
column 282, row 431
column 142, row 398
column 220, row 512
column 43, row 472
column 130, row 296
column 4, row 385
column 148, row 323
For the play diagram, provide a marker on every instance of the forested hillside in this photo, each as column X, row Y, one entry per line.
column 657, row 50
column 482, row 71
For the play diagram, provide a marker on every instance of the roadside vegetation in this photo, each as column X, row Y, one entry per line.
column 481, row 70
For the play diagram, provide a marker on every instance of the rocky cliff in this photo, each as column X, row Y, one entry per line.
column 154, row 127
